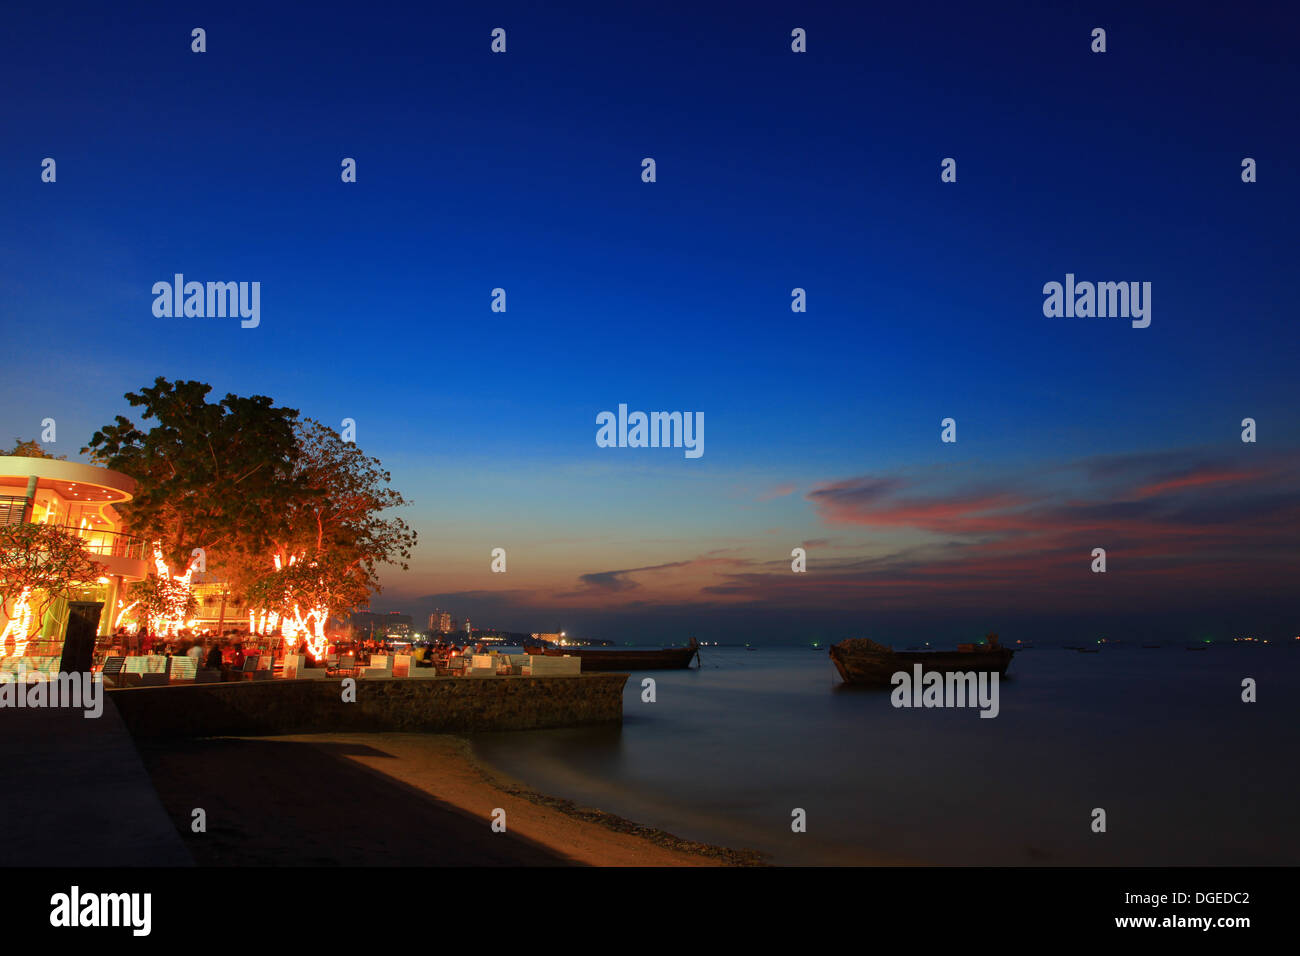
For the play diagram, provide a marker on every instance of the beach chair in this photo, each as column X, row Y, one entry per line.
column 255, row 668
column 157, row 672
column 381, row 665
column 291, row 664
column 407, row 666
column 14, row 668
column 112, row 670
column 48, row 666
column 295, row 668
column 183, row 668
column 543, row 666
column 345, row 665
column 132, row 670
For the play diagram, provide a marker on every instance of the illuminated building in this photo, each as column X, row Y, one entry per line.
column 83, row 500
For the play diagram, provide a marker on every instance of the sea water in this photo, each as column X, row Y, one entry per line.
column 1159, row 738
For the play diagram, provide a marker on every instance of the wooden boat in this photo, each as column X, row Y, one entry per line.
column 597, row 659
column 861, row 661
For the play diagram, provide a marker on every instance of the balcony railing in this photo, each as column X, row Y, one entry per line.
column 114, row 544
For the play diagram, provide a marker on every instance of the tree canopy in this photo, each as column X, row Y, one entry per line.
column 286, row 509
column 341, row 510
column 29, row 449
column 216, row 476
column 334, row 534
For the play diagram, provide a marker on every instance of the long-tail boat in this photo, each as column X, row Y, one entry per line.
column 597, row 659
column 861, row 661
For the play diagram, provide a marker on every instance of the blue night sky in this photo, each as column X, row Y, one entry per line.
column 775, row 170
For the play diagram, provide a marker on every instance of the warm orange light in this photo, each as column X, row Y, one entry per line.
column 170, row 623
column 20, row 625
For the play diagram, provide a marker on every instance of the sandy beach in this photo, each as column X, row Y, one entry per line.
column 387, row 800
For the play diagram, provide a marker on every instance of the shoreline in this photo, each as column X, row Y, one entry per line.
column 385, row 799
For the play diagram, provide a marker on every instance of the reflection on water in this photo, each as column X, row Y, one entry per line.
column 1187, row 772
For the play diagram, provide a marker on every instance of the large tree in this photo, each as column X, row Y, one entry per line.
column 217, row 476
column 342, row 510
column 334, row 536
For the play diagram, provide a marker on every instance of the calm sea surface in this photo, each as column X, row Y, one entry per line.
column 1186, row 772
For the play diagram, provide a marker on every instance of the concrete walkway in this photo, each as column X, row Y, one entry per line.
column 75, row 793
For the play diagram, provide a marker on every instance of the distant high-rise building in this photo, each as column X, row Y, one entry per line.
column 440, row 622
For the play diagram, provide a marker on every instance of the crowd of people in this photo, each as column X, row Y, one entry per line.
column 430, row 653
column 225, row 652
column 228, row 651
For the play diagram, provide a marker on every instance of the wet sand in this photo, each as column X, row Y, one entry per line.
column 387, row 800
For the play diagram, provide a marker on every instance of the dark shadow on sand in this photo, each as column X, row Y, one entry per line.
column 286, row 803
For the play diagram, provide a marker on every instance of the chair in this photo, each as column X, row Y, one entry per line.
column 254, row 669
column 295, row 668
column 156, row 674
column 133, row 669
column 545, row 666
column 413, row 669
column 381, row 665
column 112, row 670
column 183, row 668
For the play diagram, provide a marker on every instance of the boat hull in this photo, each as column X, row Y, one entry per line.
column 877, row 668
column 670, row 658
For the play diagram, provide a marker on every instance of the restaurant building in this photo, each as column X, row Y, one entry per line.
column 82, row 499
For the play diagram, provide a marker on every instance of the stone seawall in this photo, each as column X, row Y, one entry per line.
column 439, row 705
